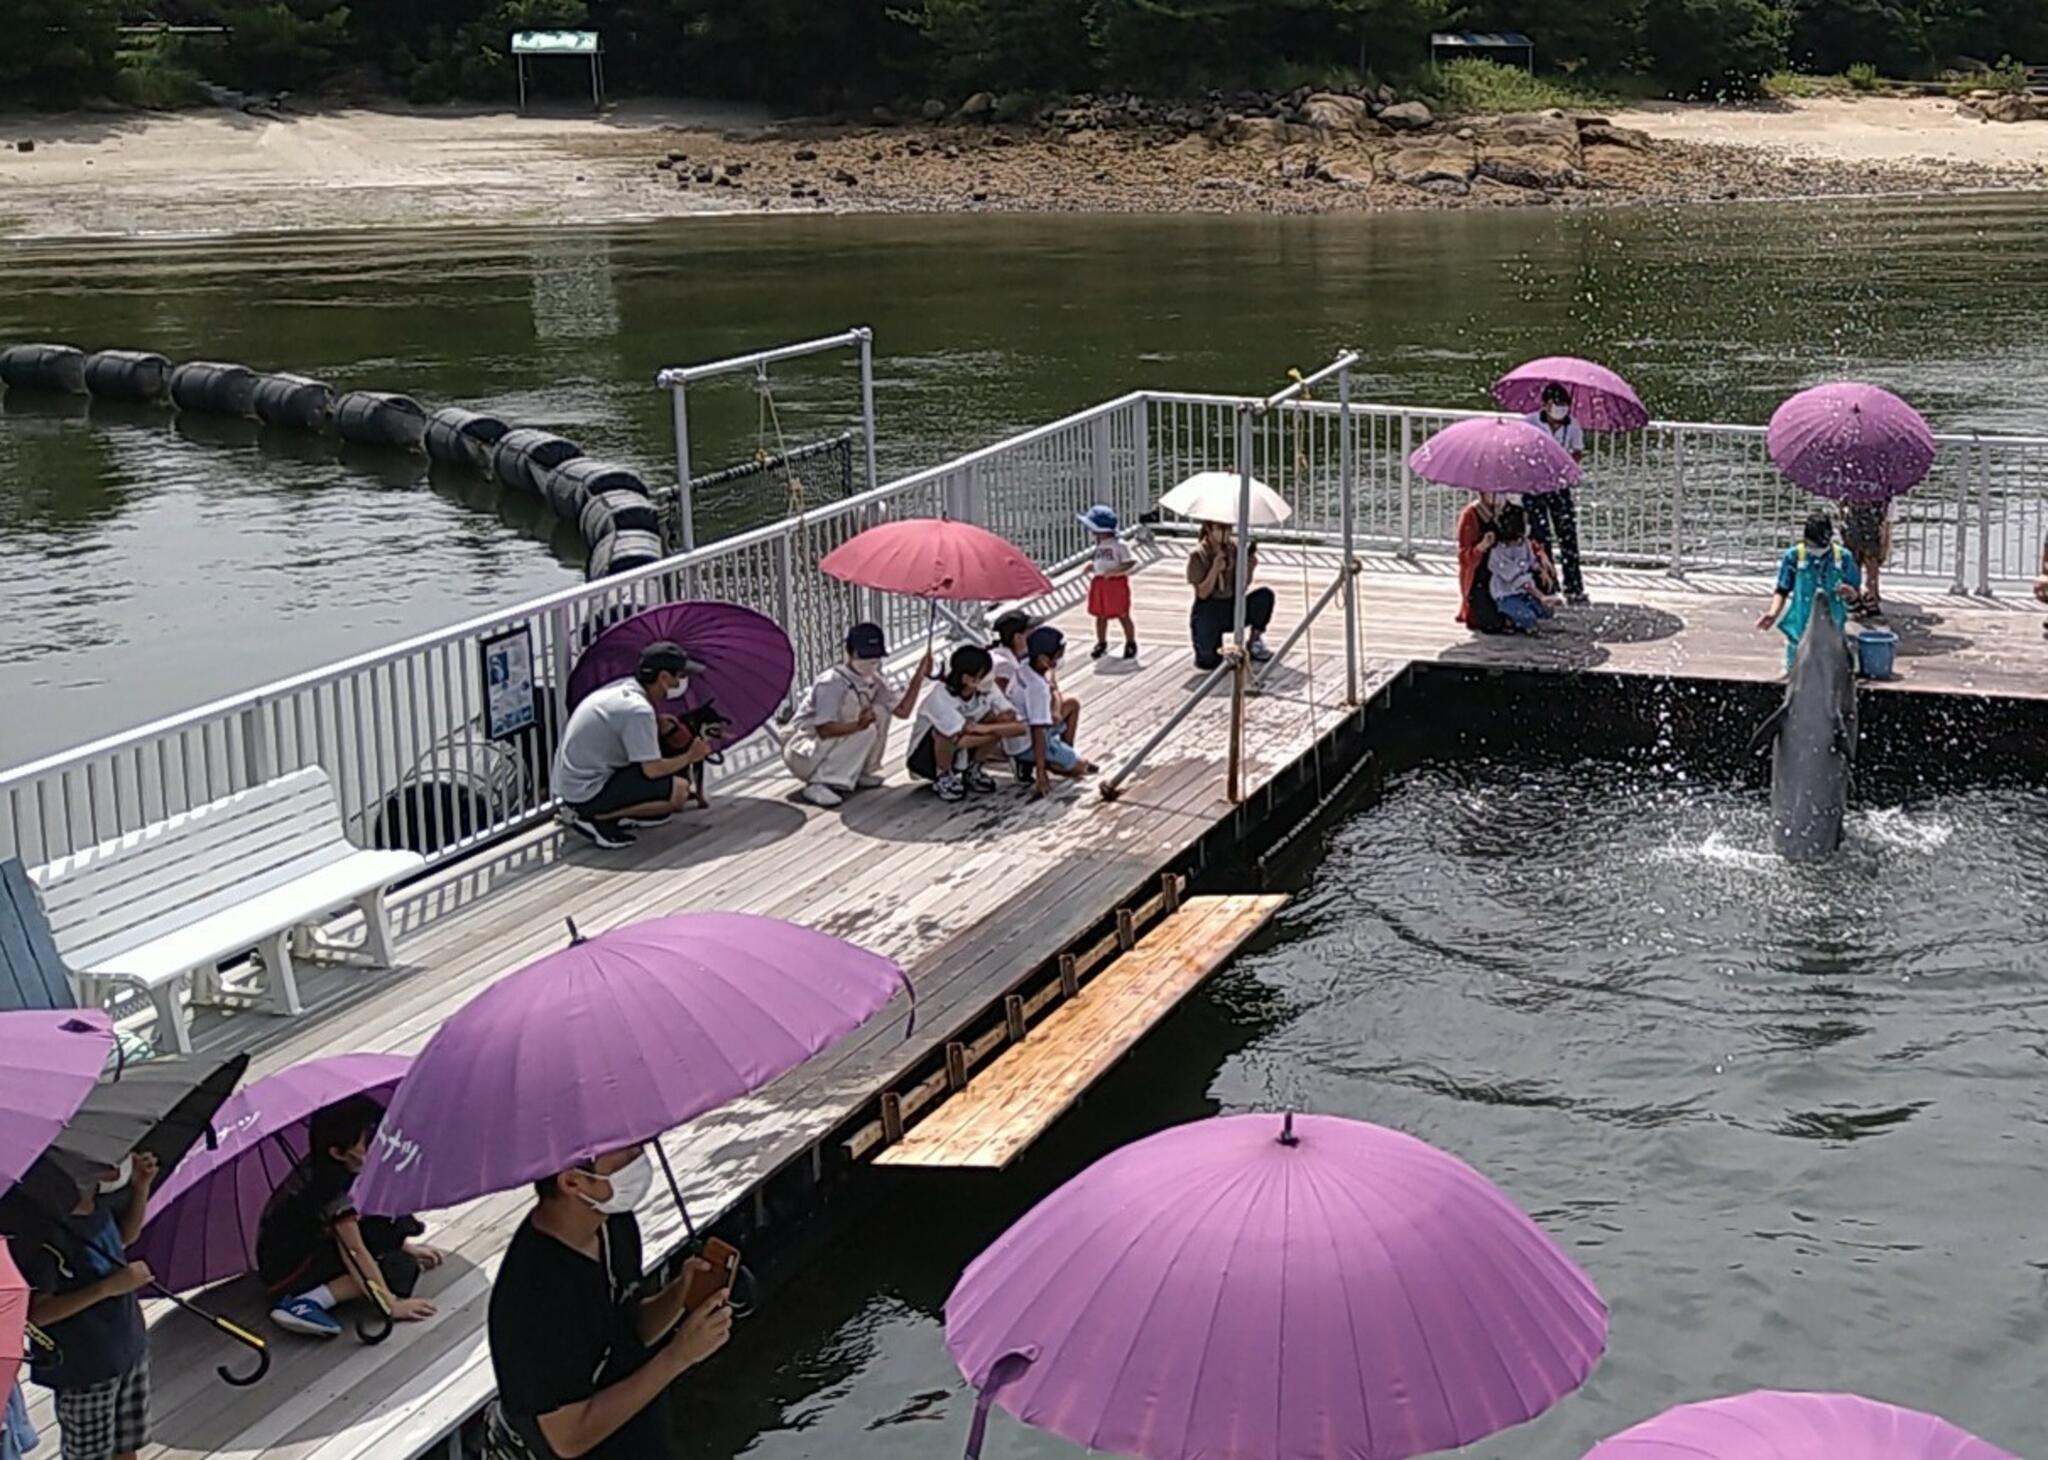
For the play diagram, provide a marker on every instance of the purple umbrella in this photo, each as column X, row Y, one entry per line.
column 607, row 1044
column 1493, row 454
column 1773, row 1425
column 1240, row 1289
column 1854, row 443
column 202, row 1221
column 53, row 1060
column 1601, row 400
column 747, row 658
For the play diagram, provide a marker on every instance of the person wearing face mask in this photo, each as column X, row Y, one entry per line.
column 840, row 738
column 584, row 1348
column 312, row 1249
column 83, row 1296
column 609, row 772
column 962, row 721
column 1554, row 516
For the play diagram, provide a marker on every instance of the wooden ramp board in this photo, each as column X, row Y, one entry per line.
column 1007, row 1107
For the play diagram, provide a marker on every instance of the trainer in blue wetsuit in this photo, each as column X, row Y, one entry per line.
column 1814, row 564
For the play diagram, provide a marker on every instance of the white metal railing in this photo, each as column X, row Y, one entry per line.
column 401, row 733
column 1679, row 495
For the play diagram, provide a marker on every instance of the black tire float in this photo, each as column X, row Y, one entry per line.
column 456, row 437
column 620, row 552
column 127, row 375
column 523, row 458
column 572, row 484
column 297, row 401
column 380, row 418
column 43, row 367
column 618, row 511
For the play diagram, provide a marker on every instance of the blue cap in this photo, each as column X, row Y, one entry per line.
column 1046, row 640
column 1098, row 518
column 865, row 641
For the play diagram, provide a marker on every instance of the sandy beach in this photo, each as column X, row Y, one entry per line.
column 209, row 172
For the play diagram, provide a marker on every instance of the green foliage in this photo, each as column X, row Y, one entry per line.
column 1716, row 50
column 1798, row 85
column 56, row 52
column 2007, row 75
column 1863, row 77
column 1464, row 87
column 279, row 45
column 158, row 77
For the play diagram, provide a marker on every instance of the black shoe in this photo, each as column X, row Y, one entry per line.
column 1130, row 651
column 1099, row 650
column 597, row 833
column 977, row 779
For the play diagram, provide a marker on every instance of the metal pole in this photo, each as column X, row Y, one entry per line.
column 1407, row 488
column 1238, row 677
column 1983, row 521
column 1347, row 474
column 1123, row 773
column 1244, row 517
column 867, row 400
column 1963, row 518
column 1678, row 505
column 522, row 83
column 686, row 522
column 1322, row 602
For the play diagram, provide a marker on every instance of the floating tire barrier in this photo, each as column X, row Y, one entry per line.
column 127, row 375
column 214, row 388
column 380, row 418
column 297, row 401
column 456, row 437
column 573, row 483
column 622, row 551
column 43, row 367
column 523, row 458
column 616, row 511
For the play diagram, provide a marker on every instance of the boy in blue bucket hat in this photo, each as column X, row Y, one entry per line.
column 1109, row 581
column 1814, row 564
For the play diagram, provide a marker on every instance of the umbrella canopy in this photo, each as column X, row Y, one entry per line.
column 164, row 1107
column 924, row 557
column 1211, row 496
column 1851, row 442
column 202, row 1221
column 53, row 1061
column 1601, row 400
column 1774, row 1425
column 1237, row 1289
column 748, row 660
column 608, row 1043
column 13, row 1322
column 1493, row 454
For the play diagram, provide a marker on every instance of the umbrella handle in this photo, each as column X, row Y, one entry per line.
column 234, row 1331
column 1006, row 1371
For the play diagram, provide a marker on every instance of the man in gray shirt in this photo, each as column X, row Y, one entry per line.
column 609, row 772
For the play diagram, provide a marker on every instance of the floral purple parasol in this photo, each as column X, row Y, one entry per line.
column 748, row 660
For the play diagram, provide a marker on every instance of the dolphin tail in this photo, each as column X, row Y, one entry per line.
column 1768, row 731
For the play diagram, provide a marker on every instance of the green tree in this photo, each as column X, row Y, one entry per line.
column 57, row 51
column 1715, row 48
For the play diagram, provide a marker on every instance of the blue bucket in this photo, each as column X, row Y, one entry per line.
column 1875, row 651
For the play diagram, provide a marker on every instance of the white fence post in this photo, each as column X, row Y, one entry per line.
column 1141, row 449
column 1407, row 488
column 1677, row 568
column 1983, row 522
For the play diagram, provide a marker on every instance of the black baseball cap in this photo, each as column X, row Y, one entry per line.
column 664, row 657
column 1046, row 640
column 865, row 641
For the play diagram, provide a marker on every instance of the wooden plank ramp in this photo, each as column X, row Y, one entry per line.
column 1032, row 1083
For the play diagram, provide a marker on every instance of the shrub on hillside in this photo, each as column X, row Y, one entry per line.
column 1716, row 50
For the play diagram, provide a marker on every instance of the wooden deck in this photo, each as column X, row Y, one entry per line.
column 971, row 898
column 1007, row 1107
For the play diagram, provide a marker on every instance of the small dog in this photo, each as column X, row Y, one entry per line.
column 677, row 731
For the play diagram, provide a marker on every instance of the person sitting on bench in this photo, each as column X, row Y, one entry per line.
column 312, row 1250
column 609, row 771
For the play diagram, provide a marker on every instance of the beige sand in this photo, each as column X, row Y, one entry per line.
column 1875, row 129
column 210, row 172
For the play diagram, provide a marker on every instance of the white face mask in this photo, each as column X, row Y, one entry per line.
column 682, row 688
column 630, row 1185
column 1557, row 413
column 868, row 668
column 122, row 1174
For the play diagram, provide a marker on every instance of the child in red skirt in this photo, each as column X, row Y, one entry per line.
column 1109, row 585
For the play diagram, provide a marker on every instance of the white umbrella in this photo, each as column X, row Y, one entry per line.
column 1211, row 496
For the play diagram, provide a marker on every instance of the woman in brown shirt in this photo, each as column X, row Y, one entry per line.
column 1212, row 572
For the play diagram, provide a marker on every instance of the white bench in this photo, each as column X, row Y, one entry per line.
column 159, row 906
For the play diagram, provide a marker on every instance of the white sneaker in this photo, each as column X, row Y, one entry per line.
column 822, row 795
column 867, row 783
column 949, row 787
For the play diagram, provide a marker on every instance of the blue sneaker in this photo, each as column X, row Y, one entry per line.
column 303, row 1315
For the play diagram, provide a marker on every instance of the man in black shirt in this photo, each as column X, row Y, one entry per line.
column 583, row 1346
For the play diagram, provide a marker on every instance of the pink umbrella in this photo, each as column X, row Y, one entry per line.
column 1493, row 454
column 1248, row 1289
column 932, row 558
column 1854, row 443
column 1601, row 400
column 607, row 1044
column 13, row 1323
column 1774, row 1425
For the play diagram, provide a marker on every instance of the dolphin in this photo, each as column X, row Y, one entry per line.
column 1813, row 743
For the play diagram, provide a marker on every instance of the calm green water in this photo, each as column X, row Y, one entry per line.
column 148, row 564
